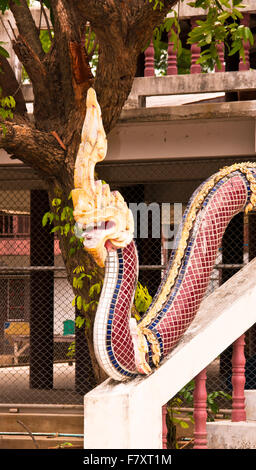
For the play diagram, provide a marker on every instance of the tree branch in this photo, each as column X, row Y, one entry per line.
column 29, row 50
column 102, row 10
column 26, row 26
column 38, row 149
column 76, row 76
column 10, row 86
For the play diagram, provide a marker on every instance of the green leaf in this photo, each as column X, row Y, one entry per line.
column 66, row 229
column 72, row 251
column 236, row 47
column 86, row 306
column 79, row 302
column 184, row 424
column 55, row 229
column 4, row 52
column 95, row 289
column 223, row 16
column 3, row 128
column 78, row 269
column 47, row 216
column 225, row 3
column 56, row 202
column 208, row 38
column 79, row 321
column 4, row 5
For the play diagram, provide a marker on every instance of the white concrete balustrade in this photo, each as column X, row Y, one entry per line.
column 129, row 415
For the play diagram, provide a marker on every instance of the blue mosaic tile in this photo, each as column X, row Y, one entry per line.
column 109, row 348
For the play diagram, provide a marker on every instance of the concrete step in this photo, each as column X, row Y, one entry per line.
column 46, row 422
column 42, row 442
column 250, row 404
column 228, row 435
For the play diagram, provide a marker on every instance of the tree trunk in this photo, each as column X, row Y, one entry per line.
column 72, row 261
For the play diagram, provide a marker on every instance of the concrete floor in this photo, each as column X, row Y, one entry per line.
column 14, row 386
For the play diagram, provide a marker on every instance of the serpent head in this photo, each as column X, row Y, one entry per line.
column 104, row 220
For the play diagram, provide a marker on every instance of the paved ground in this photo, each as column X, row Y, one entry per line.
column 14, row 386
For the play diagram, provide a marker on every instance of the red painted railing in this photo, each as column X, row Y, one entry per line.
column 238, row 380
column 172, row 68
column 200, row 411
column 149, row 69
column 195, row 53
column 200, row 398
column 245, row 65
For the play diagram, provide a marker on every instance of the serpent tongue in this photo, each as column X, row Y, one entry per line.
column 109, row 246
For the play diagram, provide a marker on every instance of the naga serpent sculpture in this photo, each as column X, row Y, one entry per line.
column 123, row 346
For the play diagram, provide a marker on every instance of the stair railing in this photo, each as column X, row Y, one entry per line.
column 200, row 397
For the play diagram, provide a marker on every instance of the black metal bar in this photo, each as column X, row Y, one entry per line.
column 41, row 295
column 31, row 268
column 144, row 267
column 230, row 266
column 148, row 267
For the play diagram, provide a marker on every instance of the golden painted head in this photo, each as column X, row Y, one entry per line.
column 104, row 220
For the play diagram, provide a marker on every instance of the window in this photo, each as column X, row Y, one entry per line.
column 23, row 225
column 14, row 299
column 6, row 225
column 14, row 226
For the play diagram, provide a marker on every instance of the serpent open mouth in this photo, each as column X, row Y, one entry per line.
column 95, row 233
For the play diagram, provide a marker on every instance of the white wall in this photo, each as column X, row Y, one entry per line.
column 63, row 309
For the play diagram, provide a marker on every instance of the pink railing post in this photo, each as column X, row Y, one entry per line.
column 172, row 68
column 149, row 70
column 238, row 380
column 200, row 411
column 164, row 427
column 220, row 49
column 245, row 65
column 195, row 52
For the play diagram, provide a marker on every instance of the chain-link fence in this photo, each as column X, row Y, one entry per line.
column 37, row 319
